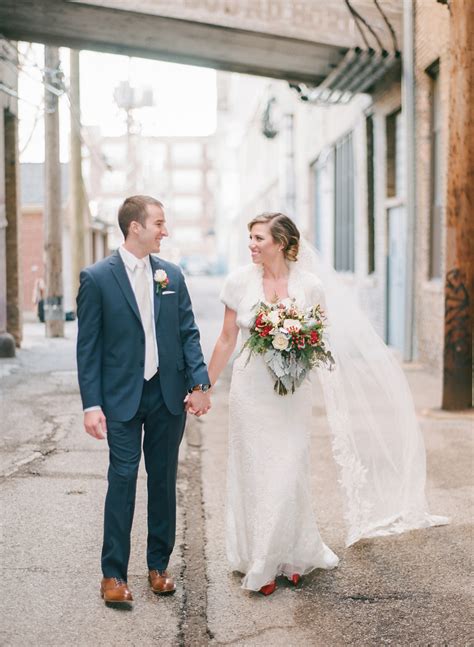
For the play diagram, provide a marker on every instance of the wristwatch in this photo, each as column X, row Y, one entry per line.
column 200, row 387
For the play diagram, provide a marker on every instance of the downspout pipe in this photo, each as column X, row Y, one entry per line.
column 409, row 112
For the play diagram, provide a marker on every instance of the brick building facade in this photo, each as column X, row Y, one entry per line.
column 179, row 171
column 10, row 303
column 32, row 235
column 432, row 102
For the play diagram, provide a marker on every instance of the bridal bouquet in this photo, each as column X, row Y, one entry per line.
column 291, row 342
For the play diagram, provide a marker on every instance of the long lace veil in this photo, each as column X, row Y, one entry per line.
column 376, row 439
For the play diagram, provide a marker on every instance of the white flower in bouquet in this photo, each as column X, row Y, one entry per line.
column 280, row 341
column 292, row 324
column 274, row 317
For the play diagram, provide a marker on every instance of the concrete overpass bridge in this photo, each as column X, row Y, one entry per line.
column 300, row 41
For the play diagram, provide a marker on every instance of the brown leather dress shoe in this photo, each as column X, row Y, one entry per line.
column 161, row 582
column 115, row 590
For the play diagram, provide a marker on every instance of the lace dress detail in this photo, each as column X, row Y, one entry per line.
column 271, row 528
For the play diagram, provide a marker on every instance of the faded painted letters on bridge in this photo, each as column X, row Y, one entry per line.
column 324, row 22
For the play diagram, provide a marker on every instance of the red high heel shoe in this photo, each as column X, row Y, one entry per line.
column 268, row 589
column 295, row 579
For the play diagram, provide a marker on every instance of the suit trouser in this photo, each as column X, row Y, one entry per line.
column 163, row 432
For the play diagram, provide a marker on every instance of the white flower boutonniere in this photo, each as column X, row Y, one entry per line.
column 161, row 280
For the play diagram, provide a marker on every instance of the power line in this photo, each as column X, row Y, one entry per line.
column 61, row 90
column 364, row 38
column 357, row 16
column 101, row 158
column 13, row 93
column 389, row 25
column 39, row 112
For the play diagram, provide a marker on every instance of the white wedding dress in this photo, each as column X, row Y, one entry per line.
column 271, row 528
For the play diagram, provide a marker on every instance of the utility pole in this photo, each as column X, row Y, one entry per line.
column 76, row 185
column 459, row 292
column 54, row 310
column 129, row 98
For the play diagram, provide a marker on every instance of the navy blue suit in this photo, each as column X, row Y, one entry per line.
column 110, row 360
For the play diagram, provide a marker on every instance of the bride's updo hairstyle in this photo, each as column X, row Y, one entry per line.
column 283, row 231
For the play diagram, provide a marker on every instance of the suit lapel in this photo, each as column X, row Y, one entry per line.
column 155, row 265
column 120, row 274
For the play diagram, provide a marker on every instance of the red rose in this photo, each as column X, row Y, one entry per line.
column 265, row 331
column 259, row 321
column 314, row 338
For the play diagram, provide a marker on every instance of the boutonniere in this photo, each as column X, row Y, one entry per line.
column 161, row 280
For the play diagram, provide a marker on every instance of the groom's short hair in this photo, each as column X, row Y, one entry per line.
column 134, row 209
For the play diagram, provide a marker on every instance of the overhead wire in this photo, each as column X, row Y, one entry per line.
column 39, row 112
column 389, row 25
column 58, row 91
column 13, row 93
column 360, row 30
column 76, row 118
column 357, row 16
column 14, row 61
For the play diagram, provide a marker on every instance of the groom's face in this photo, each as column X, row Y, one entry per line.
column 151, row 234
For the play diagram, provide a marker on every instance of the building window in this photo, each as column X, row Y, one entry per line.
column 344, row 205
column 323, row 203
column 188, row 180
column 318, row 174
column 369, row 123
column 187, row 206
column 436, row 188
column 187, row 153
column 395, row 156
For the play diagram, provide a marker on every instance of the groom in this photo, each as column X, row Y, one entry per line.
column 140, row 365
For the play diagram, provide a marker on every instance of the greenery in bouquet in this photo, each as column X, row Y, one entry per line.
column 291, row 340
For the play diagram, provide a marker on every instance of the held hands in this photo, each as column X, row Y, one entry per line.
column 197, row 403
column 95, row 424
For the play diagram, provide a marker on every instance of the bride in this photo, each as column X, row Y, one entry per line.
column 271, row 528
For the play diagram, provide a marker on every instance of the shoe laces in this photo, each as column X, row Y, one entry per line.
column 119, row 582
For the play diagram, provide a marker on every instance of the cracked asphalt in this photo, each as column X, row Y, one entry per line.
column 409, row 590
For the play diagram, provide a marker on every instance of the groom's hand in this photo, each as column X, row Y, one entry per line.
column 198, row 403
column 95, row 424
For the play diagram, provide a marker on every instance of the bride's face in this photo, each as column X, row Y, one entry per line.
column 262, row 246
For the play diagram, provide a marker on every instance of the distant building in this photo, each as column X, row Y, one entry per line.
column 179, row 171
column 32, row 228
column 10, row 307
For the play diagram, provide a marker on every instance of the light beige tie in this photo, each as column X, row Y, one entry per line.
column 142, row 294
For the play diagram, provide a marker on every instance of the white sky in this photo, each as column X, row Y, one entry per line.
column 184, row 98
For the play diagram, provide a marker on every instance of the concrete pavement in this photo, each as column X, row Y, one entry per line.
column 408, row 590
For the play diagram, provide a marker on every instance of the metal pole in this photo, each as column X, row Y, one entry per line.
column 53, row 311
column 459, row 288
column 408, row 113
column 76, row 188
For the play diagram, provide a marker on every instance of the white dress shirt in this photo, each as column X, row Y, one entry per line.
column 130, row 261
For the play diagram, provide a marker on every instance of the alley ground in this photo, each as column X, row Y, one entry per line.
column 407, row 590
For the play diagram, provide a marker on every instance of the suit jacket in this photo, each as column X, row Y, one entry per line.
column 111, row 340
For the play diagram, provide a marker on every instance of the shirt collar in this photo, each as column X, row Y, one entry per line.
column 131, row 261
